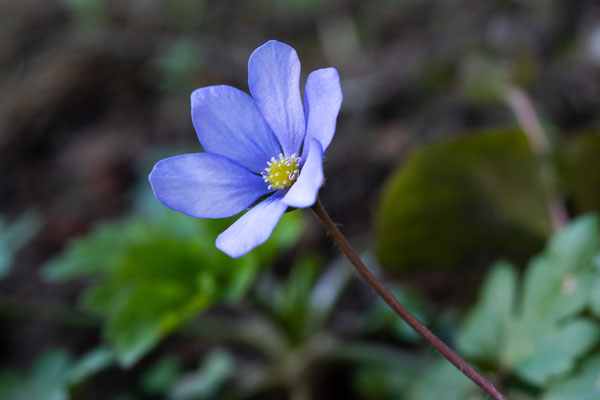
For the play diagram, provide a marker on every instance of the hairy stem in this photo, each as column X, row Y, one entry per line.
column 389, row 298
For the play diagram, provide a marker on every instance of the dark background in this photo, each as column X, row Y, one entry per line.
column 91, row 91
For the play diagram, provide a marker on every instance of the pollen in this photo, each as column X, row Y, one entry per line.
column 281, row 173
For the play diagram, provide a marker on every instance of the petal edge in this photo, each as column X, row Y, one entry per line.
column 274, row 81
column 205, row 185
column 322, row 101
column 253, row 228
column 304, row 192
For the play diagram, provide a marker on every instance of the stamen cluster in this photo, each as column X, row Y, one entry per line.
column 282, row 173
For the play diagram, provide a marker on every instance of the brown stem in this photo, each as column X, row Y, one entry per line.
column 529, row 122
column 389, row 298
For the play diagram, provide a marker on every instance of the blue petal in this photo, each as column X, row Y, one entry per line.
column 253, row 228
column 304, row 192
column 205, row 185
column 228, row 123
column 274, row 79
column 322, row 99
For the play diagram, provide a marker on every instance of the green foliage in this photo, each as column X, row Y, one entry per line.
column 538, row 333
column 444, row 381
column 595, row 294
column 581, row 171
column 482, row 335
column 13, row 237
column 301, row 304
column 89, row 364
column 161, row 376
column 464, row 200
column 154, row 275
column 584, row 385
column 290, row 300
column 387, row 379
column 204, row 383
column 382, row 317
column 52, row 376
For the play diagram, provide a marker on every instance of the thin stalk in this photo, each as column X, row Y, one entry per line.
column 529, row 122
column 389, row 298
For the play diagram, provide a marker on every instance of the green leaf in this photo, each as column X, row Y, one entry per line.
column 45, row 380
column 151, row 276
column 290, row 300
column 584, row 385
column 544, row 338
column 52, row 375
column 216, row 368
column 557, row 351
column 89, row 364
column 459, row 201
column 482, row 335
column 384, row 372
column 537, row 333
column 595, row 294
column 13, row 237
column 581, row 171
column 444, row 381
column 556, row 286
column 382, row 317
column 161, row 376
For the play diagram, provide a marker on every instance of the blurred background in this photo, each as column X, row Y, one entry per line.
column 105, row 294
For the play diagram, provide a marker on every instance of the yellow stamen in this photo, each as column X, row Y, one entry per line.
column 282, row 173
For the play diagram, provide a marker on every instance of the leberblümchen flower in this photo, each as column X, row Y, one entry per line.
column 268, row 145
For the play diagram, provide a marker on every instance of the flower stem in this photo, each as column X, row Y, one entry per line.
column 389, row 298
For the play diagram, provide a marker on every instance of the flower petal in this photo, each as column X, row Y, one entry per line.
column 253, row 228
column 274, row 79
column 228, row 123
column 304, row 192
column 322, row 99
column 205, row 185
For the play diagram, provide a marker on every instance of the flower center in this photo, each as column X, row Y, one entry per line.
column 281, row 173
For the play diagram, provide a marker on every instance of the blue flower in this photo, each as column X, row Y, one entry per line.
column 267, row 145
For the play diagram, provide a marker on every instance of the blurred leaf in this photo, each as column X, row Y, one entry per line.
column 543, row 336
column 585, row 385
column 556, row 287
column 381, row 316
column 581, row 171
column 205, row 383
column 13, row 237
column 290, row 300
column 557, row 351
column 52, row 375
column 89, row 364
column 154, row 275
column 161, row 376
column 460, row 201
column 444, row 381
column 483, row 334
column 380, row 383
column 595, row 294
column 384, row 373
